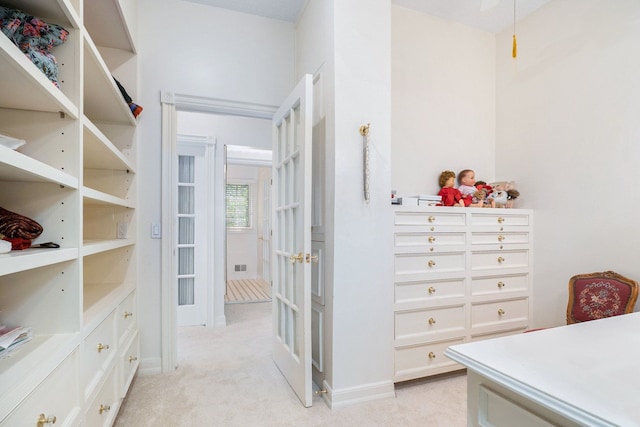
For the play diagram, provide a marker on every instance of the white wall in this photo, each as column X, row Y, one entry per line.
column 568, row 133
column 192, row 49
column 443, row 101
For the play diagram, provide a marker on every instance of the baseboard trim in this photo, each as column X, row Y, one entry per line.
column 151, row 366
column 336, row 399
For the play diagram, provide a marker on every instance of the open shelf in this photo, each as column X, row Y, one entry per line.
column 99, row 300
column 99, row 151
column 110, row 23
column 15, row 166
column 95, row 246
column 94, row 197
column 27, row 259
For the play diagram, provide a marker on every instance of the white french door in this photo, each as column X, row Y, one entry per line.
column 191, row 247
column 266, row 230
column 291, row 239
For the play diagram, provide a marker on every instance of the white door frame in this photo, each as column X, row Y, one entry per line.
column 171, row 104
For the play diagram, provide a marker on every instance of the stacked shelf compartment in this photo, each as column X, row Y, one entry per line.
column 76, row 177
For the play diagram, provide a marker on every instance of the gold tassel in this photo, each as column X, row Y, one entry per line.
column 514, row 50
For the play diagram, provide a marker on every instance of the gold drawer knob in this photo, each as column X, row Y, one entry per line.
column 132, row 359
column 500, row 238
column 501, row 260
column 101, row 347
column 501, row 285
column 431, row 263
column 44, row 420
column 432, row 290
column 104, row 408
column 431, row 239
column 431, row 218
column 126, row 314
column 500, row 312
column 432, row 355
column 432, row 321
column 500, row 219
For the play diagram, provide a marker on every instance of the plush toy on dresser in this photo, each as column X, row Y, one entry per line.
column 504, row 194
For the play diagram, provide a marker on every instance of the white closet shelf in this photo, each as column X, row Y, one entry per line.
column 25, row 87
column 109, row 24
column 15, row 166
column 27, row 259
column 95, row 246
column 99, row 152
column 59, row 12
column 103, row 101
column 20, row 375
column 94, row 197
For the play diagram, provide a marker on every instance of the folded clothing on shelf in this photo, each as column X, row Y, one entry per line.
column 35, row 38
column 13, row 225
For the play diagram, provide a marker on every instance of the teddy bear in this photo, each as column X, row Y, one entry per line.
column 504, row 193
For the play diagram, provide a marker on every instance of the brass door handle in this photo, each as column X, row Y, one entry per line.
column 310, row 258
column 101, row 347
column 294, row 258
column 43, row 420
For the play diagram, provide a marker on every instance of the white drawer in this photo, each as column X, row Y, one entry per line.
column 435, row 219
column 57, row 396
column 129, row 362
column 104, row 407
column 499, row 285
column 483, row 260
column 499, row 219
column 99, row 351
column 126, row 318
column 421, row 324
column 499, row 313
column 497, row 411
column 422, row 291
column 416, row 263
column 424, row 359
column 428, row 239
column 508, row 238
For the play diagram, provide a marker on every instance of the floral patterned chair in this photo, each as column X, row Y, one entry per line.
column 598, row 295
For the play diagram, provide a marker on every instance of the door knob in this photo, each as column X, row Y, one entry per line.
column 294, row 258
column 310, row 258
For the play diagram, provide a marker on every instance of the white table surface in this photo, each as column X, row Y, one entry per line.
column 588, row 372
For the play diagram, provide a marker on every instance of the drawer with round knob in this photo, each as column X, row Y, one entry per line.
column 431, row 240
column 99, row 352
column 415, row 361
column 102, row 410
column 430, row 218
column 126, row 318
column 412, row 325
column 499, row 314
column 499, row 285
column 498, row 219
column 47, row 406
column 129, row 362
column 485, row 260
column 420, row 263
column 498, row 238
column 425, row 291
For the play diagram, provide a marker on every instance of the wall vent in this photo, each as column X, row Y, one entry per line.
column 240, row 267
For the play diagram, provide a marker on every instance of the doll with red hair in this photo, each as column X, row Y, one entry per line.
column 451, row 196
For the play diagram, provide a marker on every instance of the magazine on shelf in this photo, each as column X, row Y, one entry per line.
column 12, row 339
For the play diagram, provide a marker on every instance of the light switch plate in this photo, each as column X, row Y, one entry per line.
column 121, row 233
column 155, row 231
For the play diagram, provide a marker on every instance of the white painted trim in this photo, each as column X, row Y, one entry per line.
column 341, row 398
column 171, row 103
column 218, row 106
column 150, row 366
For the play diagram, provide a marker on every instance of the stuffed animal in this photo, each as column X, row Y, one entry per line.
column 500, row 198
column 508, row 193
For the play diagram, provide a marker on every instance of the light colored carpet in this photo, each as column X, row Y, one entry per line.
column 247, row 290
column 226, row 378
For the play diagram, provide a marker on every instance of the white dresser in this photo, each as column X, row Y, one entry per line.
column 461, row 274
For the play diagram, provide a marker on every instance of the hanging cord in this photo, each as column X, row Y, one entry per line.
column 364, row 131
column 514, row 49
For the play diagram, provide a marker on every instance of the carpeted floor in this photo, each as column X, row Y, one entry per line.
column 247, row 290
column 226, row 378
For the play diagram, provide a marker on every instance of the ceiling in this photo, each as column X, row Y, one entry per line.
column 466, row 12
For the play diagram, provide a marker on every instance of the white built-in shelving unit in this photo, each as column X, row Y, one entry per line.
column 76, row 177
